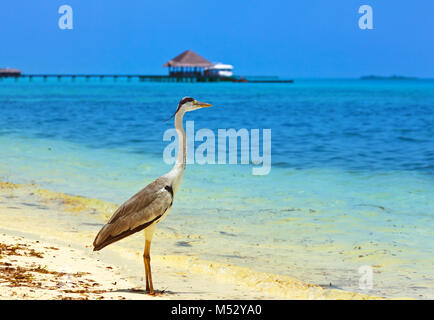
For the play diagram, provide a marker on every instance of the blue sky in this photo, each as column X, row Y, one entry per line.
column 309, row 38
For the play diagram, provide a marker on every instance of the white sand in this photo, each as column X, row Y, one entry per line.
column 52, row 225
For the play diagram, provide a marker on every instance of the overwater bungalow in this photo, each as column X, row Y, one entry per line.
column 9, row 72
column 187, row 64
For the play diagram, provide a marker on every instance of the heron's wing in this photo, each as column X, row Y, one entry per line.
column 137, row 213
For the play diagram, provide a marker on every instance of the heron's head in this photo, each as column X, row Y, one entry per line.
column 189, row 104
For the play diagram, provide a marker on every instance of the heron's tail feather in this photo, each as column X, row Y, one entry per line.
column 102, row 237
column 111, row 233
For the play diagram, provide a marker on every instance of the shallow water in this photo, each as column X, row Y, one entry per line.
column 351, row 182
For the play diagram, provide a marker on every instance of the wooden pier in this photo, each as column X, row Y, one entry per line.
column 142, row 78
column 186, row 67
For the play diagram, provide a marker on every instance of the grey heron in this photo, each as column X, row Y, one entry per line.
column 150, row 205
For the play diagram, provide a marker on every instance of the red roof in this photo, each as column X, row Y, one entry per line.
column 188, row 59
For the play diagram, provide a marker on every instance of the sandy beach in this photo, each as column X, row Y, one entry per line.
column 44, row 257
column 276, row 151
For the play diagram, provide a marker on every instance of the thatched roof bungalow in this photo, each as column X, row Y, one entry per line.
column 188, row 63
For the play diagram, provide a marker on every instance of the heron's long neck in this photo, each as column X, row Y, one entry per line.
column 177, row 172
column 181, row 160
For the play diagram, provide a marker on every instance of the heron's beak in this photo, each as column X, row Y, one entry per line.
column 202, row 104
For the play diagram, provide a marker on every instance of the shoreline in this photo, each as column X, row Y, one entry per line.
column 31, row 213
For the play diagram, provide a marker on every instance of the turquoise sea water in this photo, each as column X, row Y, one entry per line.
column 351, row 182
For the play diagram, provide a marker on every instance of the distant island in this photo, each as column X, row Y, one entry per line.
column 394, row 77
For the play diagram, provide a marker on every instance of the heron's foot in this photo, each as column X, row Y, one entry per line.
column 155, row 293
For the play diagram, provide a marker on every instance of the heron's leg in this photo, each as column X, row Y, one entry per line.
column 149, row 232
column 146, row 270
column 148, row 262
